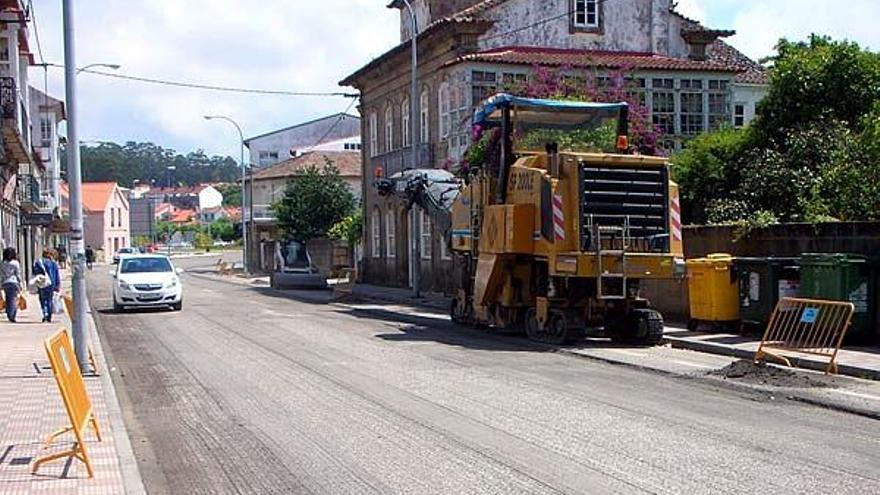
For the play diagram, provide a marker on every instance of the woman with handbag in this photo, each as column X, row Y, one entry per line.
column 10, row 274
column 47, row 279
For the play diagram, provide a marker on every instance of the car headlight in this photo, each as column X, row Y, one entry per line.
column 173, row 283
column 124, row 285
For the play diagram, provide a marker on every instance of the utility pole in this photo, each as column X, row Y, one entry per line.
column 74, row 177
column 245, row 235
column 415, row 128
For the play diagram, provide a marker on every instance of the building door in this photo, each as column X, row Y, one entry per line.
column 115, row 244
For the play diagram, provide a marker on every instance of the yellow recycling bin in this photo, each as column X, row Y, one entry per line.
column 713, row 292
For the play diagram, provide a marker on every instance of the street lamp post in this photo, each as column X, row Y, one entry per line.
column 415, row 121
column 244, row 229
column 106, row 66
column 77, row 242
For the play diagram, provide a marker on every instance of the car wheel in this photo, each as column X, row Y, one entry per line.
column 177, row 306
column 117, row 308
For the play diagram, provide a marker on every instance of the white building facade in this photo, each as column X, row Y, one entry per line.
column 340, row 132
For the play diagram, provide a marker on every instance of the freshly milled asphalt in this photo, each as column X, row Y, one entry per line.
column 247, row 392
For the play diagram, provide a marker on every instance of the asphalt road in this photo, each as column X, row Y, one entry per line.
column 248, row 392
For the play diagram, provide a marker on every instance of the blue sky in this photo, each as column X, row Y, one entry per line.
column 301, row 45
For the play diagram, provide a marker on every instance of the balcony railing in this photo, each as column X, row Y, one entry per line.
column 29, row 193
column 8, row 98
column 262, row 213
column 395, row 161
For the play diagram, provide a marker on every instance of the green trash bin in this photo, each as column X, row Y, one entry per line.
column 844, row 277
column 762, row 283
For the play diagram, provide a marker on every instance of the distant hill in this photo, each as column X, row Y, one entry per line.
column 149, row 163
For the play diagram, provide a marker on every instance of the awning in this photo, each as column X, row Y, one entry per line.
column 540, row 111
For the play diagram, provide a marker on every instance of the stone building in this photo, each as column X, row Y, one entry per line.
column 687, row 76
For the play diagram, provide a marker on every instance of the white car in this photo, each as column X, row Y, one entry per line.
column 146, row 281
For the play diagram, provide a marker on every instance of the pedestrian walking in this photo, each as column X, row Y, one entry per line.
column 10, row 273
column 90, row 257
column 62, row 256
column 46, row 266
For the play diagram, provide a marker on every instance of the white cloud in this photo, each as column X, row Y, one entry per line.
column 692, row 9
column 761, row 23
column 278, row 44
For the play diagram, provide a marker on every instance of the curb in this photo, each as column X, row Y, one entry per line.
column 131, row 478
column 810, row 364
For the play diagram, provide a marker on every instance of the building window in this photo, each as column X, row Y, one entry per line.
column 663, row 105
column 444, row 249
column 636, row 89
column 424, row 128
column 404, row 122
column 739, row 115
column 691, row 107
column 267, row 158
column 512, row 83
column 46, row 131
column 485, row 84
column 352, row 146
column 376, row 231
column 719, row 104
column 427, row 234
column 119, row 217
column 445, row 105
column 390, row 234
column 586, row 14
column 112, row 218
column 374, row 134
column 389, row 129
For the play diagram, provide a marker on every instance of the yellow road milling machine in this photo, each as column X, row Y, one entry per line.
column 549, row 240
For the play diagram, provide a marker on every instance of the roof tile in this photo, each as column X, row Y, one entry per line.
column 348, row 163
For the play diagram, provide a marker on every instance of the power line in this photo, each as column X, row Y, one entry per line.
column 211, row 87
column 333, row 127
column 36, row 31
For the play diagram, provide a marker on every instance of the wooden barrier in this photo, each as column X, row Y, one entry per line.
column 806, row 326
column 346, row 279
column 65, row 367
column 224, row 268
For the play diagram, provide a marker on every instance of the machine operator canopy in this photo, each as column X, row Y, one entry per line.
column 547, row 112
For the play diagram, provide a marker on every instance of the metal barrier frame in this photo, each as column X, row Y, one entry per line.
column 345, row 288
column 806, row 326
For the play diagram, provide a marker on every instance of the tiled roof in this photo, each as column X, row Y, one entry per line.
column 182, row 216
column 96, row 195
column 556, row 57
column 348, row 163
column 750, row 72
column 178, row 191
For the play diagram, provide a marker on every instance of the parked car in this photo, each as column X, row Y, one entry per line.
column 121, row 252
column 144, row 281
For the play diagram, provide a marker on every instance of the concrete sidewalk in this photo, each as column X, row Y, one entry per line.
column 860, row 362
column 32, row 408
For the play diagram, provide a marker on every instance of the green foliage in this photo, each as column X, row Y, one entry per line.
column 809, row 156
column 602, row 139
column 203, row 241
column 818, row 80
column 223, row 229
column 314, row 201
column 148, row 163
column 141, row 241
column 165, row 230
column 231, row 194
column 350, row 229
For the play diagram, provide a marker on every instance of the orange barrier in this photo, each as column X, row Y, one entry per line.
column 68, row 306
column 806, row 326
column 76, row 400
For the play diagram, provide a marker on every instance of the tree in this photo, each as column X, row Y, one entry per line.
column 231, row 194
column 314, row 201
column 223, row 229
column 350, row 229
column 809, row 156
column 165, row 230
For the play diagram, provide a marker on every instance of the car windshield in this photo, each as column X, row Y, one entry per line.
column 145, row 265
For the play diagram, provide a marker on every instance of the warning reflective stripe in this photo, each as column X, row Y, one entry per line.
column 675, row 219
column 558, row 218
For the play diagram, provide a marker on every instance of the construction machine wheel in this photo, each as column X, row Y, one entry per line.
column 638, row 327
column 557, row 330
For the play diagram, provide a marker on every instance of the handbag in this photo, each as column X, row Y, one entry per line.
column 41, row 281
column 57, row 304
column 22, row 302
